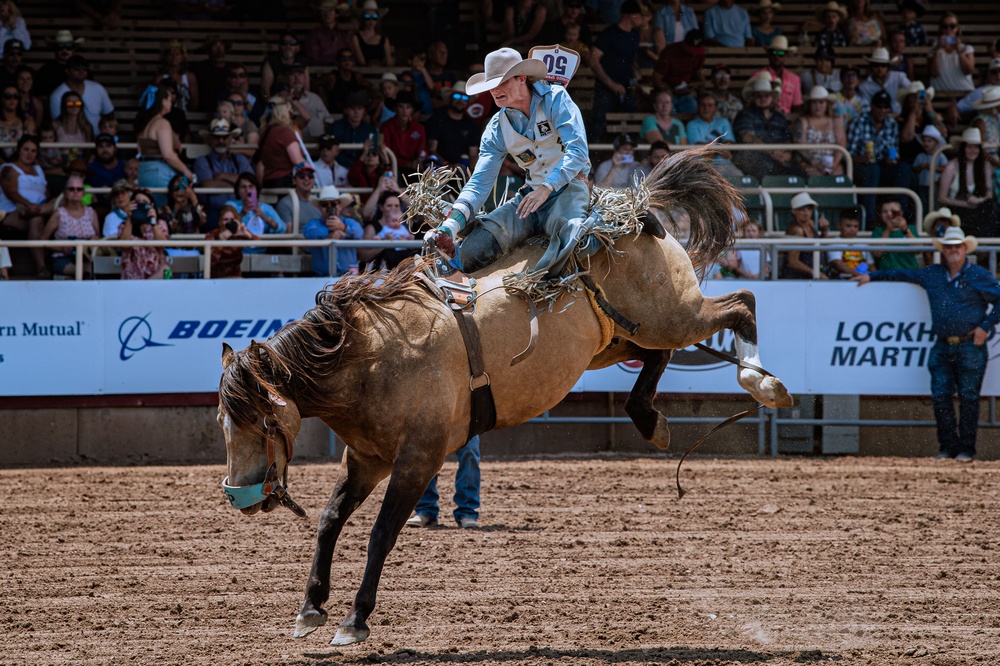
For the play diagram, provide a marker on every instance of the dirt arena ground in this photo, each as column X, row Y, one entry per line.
column 779, row 562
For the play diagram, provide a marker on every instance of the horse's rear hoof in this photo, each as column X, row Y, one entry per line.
column 349, row 635
column 779, row 393
column 308, row 623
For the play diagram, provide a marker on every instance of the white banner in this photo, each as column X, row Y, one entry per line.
column 132, row 337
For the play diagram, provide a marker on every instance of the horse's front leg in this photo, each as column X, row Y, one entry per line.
column 408, row 482
column 358, row 477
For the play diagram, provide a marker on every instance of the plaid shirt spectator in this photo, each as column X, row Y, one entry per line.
column 827, row 38
column 862, row 130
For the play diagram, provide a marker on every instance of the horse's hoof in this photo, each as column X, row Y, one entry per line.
column 308, row 623
column 777, row 392
column 349, row 635
column 661, row 434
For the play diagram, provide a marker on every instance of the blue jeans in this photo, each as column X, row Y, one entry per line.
column 957, row 369
column 466, row 486
column 155, row 173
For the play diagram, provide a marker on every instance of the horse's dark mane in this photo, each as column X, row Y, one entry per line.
column 686, row 180
column 297, row 361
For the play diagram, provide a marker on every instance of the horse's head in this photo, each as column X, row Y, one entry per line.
column 260, row 428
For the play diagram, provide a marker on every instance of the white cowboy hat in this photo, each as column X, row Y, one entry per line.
column 880, row 56
column 761, row 83
column 220, row 127
column 331, row 193
column 935, row 134
column 943, row 213
column 915, row 88
column 802, row 199
column 504, row 64
column 818, row 93
column 832, row 7
column 990, row 98
column 955, row 236
column 972, row 136
column 767, row 4
column 780, row 43
column 65, row 38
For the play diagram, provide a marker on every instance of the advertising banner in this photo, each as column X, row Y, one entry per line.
column 125, row 337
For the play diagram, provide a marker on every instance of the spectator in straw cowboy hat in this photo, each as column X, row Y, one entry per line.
column 963, row 300
column 220, row 167
column 333, row 224
column 832, row 14
column 556, row 158
column 53, row 72
column 790, row 96
column 764, row 32
column 882, row 79
column 326, row 41
column 761, row 123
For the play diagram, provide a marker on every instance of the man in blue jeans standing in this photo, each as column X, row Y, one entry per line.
column 466, row 493
column 959, row 294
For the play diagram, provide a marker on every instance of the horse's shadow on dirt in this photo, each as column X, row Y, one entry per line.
column 667, row 655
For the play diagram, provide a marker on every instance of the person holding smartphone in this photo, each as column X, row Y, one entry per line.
column 260, row 218
column 141, row 262
column 618, row 172
column 952, row 61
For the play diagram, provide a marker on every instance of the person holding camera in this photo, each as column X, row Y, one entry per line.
column 227, row 261
column 892, row 224
column 618, row 172
column 951, row 61
column 259, row 217
column 141, row 262
column 336, row 226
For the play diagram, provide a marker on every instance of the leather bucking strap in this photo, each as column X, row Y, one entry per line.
column 484, row 411
column 609, row 309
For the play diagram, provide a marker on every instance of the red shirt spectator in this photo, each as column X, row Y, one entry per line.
column 404, row 136
column 681, row 62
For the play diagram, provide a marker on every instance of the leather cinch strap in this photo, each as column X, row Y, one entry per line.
column 484, row 411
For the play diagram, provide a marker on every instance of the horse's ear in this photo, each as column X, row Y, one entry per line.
column 227, row 355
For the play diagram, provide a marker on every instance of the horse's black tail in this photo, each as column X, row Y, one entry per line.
column 686, row 182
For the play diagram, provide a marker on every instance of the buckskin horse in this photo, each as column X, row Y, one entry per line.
column 382, row 339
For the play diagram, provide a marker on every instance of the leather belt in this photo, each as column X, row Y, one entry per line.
column 957, row 339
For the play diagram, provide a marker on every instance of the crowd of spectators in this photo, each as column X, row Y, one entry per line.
column 289, row 113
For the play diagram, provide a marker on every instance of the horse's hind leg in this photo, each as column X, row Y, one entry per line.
column 358, row 477
column 652, row 425
column 737, row 311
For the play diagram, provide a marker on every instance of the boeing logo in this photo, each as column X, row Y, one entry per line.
column 135, row 333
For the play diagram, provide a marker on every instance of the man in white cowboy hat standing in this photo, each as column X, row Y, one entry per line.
column 541, row 128
column 882, row 79
column 790, row 96
column 53, row 72
column 959, row 295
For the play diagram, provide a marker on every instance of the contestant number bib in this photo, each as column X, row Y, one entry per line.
column 560, row 62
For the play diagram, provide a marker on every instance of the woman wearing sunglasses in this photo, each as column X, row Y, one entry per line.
column 13, row 122
column 952, row 61
column 72, row 126
column 370, row 45
column 71, row 221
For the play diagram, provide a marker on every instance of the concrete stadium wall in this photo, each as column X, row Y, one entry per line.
column 189, row 434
